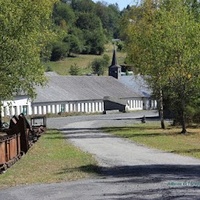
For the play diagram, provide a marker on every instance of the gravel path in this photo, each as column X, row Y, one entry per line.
column 112, row 151
column 129, row 171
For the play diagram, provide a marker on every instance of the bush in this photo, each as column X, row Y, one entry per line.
column 59, row 51
column 74, row 70
column 49, row 69
column 99, row 65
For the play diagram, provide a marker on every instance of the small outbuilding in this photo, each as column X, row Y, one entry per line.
column 114, row 104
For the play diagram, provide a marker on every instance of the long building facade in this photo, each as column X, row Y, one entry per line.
column 83, row 94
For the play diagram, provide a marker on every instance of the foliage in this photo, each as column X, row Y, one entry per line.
column 120, row 45
column 106, row 59
column 92, row 33
column 74, row 44
column 110, row 17
column 74, row 70
column 63, row 13
column 114, row 19
column 163, row 42
column 59, row 51
column 83, row 6
column 94, row 42
column 99, row 65
column 87, row 25
column 83, row 61
column 49, row 69
column 25, row 31
column 194, row 7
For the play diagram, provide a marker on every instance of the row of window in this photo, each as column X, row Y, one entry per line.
column 135, row 104
column 15, row 110
column 69, row 107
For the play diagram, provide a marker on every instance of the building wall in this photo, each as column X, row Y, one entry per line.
column 81, row 106
column 72, row 106
column 23, row 105
column 149, row 104
column 19, row 105
column 135, row 104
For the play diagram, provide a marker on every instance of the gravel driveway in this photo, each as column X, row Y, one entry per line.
column 128, row 170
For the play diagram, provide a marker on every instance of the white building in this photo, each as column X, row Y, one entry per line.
column 83, row 94
column 73, row 94
column 20, row 104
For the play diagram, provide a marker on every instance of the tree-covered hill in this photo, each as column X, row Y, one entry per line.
column 83, row 27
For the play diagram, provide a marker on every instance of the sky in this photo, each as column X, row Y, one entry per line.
column 121, row 3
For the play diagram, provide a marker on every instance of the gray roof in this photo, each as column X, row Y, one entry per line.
column 137, row 84
column 76, row 88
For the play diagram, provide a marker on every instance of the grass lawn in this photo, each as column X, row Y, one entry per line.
column 83, row 62
column 50, row 159
column 170, row 139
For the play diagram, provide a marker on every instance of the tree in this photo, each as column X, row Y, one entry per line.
column 74, row 70
column 88, row 21
column 194, row 6
column 63, row 11
column 59, row 51
column 99, row 65
column 110, row 17
column 137, row 26
column 74, row 44
column 93, row 36
column 83, row 6
column 25, row 29
column 94, row 42
column 163, row 42
column 114, row 19
column 88, row 25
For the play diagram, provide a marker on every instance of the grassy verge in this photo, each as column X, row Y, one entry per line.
column 169, row 140
column 51, row 159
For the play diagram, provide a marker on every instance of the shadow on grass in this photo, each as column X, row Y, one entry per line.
column 94, row 169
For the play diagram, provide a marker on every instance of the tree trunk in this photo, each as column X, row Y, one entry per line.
column 0, row 121
column 184, row 131
column 161, row 110
column 0, row 116
column 183, row 117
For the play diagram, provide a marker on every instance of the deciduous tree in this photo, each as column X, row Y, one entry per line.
column 99, row 65
column 25, row 31
column 164, row 43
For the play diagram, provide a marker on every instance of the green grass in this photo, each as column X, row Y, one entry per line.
column 51, row 159
column 83, row 62
column 169, row 140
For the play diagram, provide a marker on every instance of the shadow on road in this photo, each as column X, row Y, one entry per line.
column 161, row 172
column 146, row 173
column 81, row 133
column 166, row 181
